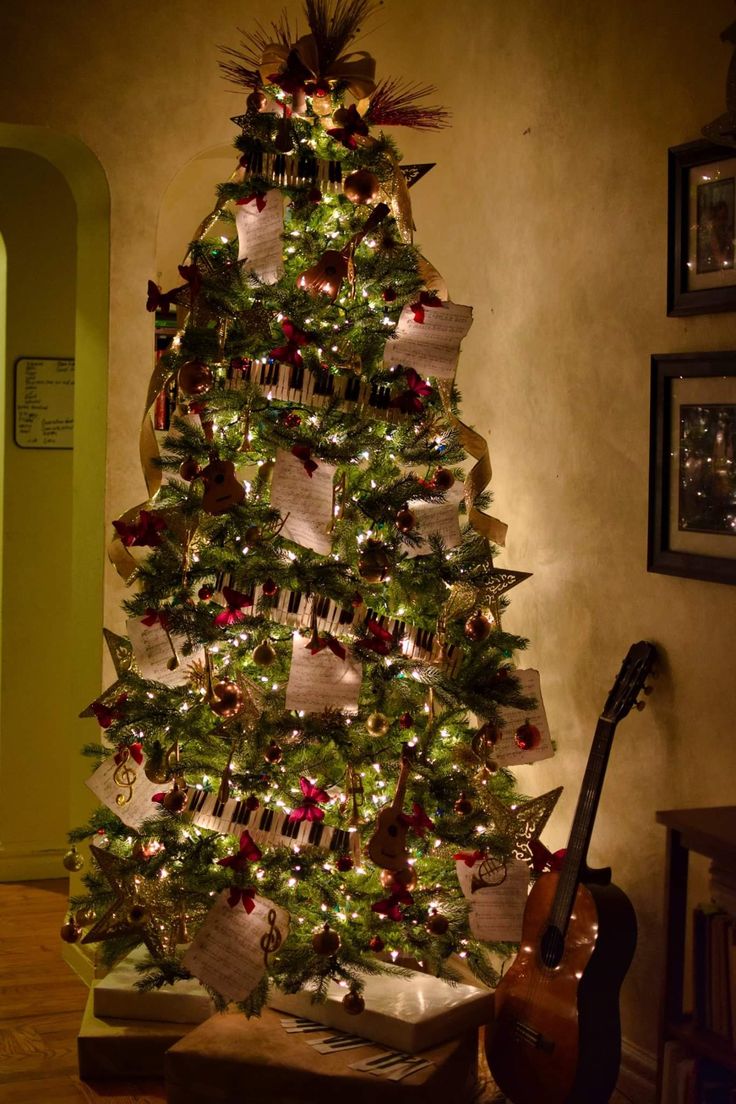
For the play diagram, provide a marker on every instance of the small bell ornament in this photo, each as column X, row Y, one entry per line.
column 326, row 942
column 264, row 654
column 478, row 627
column 72, row 861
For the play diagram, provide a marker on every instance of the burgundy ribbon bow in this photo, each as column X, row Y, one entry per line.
column 542, row 859
column 143, row 532
column 158, row 299
column 382, row 641
column 304, row 453
column 352, row 124
column 327, row 640
column 249, row 852
column 389, row 906
column 235, row 603
column 259, row 198
column 152, row 616
column 417, row 389
column 309, row 808
column 295, row 339
column 106, row 714
column 246, row 897
column 193, row 277
column 470, row 858
column 426, row 299
column 417, row 820
column 134, row 750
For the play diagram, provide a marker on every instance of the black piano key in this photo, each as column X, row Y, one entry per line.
column 321, row 606
column 236, row 810
column 340, row 840
column 347, row 616
column 315, row 833
column 279, row 165
column 270, row 373
column 290, row 828
column 217, row 808
column 296, row 377
column 266, row 820
column 197, row 801
column 380, row 396
column 244, row 815
column 352, row 389
column 295, row 599
column 324, row 382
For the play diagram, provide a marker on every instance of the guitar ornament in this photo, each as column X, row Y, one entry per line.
column 222, row 488
column 387, row 846
column 556, row 1036
column 326, row 276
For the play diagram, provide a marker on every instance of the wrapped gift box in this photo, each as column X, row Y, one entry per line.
column 407, row 1014
column 123, row 1049
column 232, row 1060
column 116, row 995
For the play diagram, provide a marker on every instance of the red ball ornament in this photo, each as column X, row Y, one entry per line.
column 195, row 377
column 353, row 1003
column 376, row 944
column 273, row 753
column 205, row 593
column 405, row 520
column 227, row 699
column 69, row 932
column 478, row 627
column 437, row 923
column 406, row 720
column 270, row 588
column 252, row 803
column 189, row 469
column 463, row 806
column 527, row 736
column 443, row 479
column 344, row 863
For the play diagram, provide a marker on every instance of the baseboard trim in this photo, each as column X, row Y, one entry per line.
column 19, row 864
column 82, row 962
column 637, row 1079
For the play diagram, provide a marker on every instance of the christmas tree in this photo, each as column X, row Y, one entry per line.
column 307, row 743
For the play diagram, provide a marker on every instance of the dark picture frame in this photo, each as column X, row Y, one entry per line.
column 692, row 466
column 701, row 229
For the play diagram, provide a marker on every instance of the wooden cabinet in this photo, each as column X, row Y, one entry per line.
column 710, row 832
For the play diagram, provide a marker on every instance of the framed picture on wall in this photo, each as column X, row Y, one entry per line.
column 692, row 466
column 701, row 275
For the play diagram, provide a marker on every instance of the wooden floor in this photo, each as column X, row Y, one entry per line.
column 41, row 1004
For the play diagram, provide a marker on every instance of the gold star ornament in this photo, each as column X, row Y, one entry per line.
column 134, row 910
column 521, row 824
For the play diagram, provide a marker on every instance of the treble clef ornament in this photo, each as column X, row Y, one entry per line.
column 271, row 939
column 125, row 778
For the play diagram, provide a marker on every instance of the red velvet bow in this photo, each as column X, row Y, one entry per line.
column 304, row 453
column 352, row 124
column 426, row 299
column 245, row 896
column 145, row 531
column 295, row 339
column 152, row 616
column 193, row 277
column 542, row 859
column 309, row 808
column 319, row 643
column 418, row 820
column 259, row 197
column 382, row 641
column 158, row 299
column 470, row 858
column 106, row 714
column 235, row 603
column 389, row 906
column 249, row 852
column 410, row 401
column 134, row 750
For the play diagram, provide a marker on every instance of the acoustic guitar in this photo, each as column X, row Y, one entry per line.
column 556, row 1036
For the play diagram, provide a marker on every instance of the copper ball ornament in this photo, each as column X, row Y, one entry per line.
column 195, row 377
column 85, row 917
column 405, row 879
column 378, row 724
column 176, row 799
column 69, row 932
column 361, row 186
column 264, row 654
column 405, row 520
column 478, row 627
column 437, row 923
column 205, row 593
column 443, row 479
column 227, row 699
column 189, row 469
column 256, row 101
column 527, row 736
column 251, row 802
column 376, row 944
column 273, row 753
column 463, row 806
column 373, row 565
column 269, row 588
column 72, row 861
column 326, row 941
column 353, row 1003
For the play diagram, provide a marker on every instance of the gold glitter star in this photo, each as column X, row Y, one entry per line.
column 522, row 824
column 133, row 912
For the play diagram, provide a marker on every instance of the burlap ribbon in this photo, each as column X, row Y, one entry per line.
column 357, row 69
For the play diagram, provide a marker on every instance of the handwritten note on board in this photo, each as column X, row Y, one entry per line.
column 44, row 403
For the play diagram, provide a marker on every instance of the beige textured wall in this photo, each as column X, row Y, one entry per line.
column 548, row 212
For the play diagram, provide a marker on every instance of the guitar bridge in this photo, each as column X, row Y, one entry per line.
column 523, row 1033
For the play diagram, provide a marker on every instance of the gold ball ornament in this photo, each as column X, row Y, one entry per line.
column 264, row 654
column 378, row 724
column 478, row 627
column 361, row 186
column 256, row 101
column 69, row 932
column 72, row 861
column 353, row 1003
column 176, row 799
column 227, row 699
column 463, row 806
column 406, row 878
column 326, row 941
column 189, row 469
column 84, row 917
column 443, row 479
column 405, row 520
column 437, row 923
column 273, row 753
column 195, row 377
column 373, row 565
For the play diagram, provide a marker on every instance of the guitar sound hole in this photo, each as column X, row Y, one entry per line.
column 392, row 830
column 552, row 946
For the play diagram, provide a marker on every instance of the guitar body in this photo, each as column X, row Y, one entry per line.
column 556, row 1035
column 387, row 845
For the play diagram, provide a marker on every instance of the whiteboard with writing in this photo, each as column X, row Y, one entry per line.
column 44, row 403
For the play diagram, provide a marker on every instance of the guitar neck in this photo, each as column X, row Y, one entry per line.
column 574, row 863
column 398, row 802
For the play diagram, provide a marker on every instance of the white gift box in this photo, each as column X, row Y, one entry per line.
column 115, row 995
column 408, row 1014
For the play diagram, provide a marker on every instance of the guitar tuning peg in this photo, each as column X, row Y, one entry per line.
column 648, row 690
column 640, row 705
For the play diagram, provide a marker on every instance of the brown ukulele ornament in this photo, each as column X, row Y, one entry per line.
column 222, row 488
column 387, row 846
column 326, row 276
